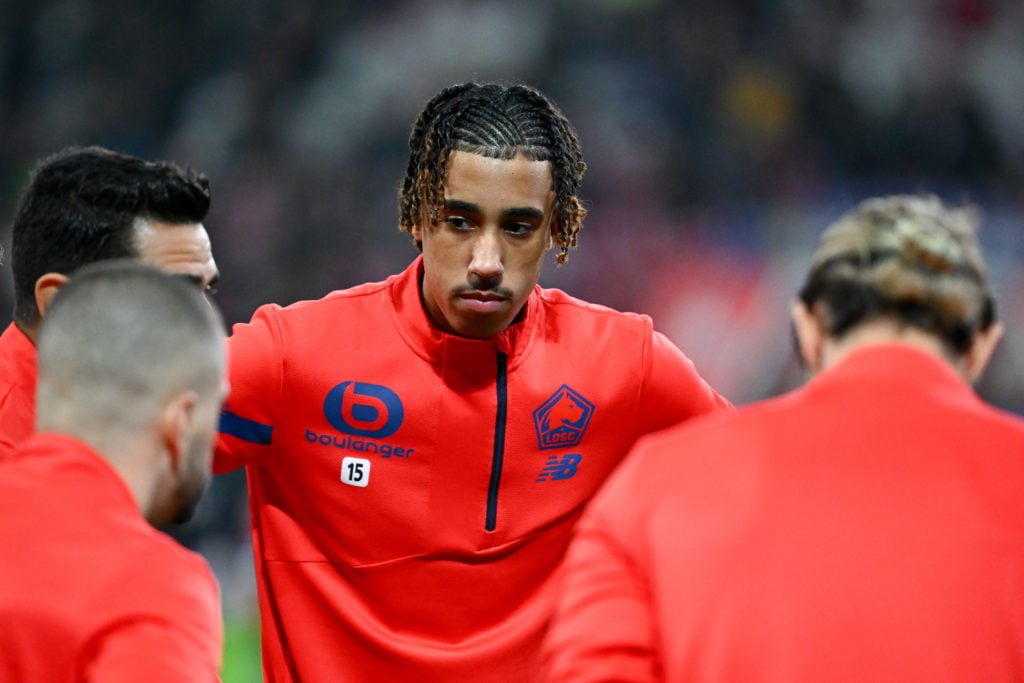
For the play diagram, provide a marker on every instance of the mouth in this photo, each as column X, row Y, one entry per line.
column 482, row 302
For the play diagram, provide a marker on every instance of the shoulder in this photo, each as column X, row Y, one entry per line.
column 158, row 555
column 338, row 298
column 159, row 575
column 326, row 315
column 561, row 305
column 713, row 442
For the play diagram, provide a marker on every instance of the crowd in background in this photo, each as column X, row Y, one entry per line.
column 720, row 138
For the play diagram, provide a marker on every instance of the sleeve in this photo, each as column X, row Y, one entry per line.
column 254, row 376
column 173, row 634
column 10, row 423
column 153, row 651
column 673, row 391
column 17, row 421
column 603, row 628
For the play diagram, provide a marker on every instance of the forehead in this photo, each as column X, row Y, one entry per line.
column 183, row 249
column 498, row 183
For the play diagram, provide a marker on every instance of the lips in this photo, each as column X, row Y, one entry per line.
column 482, row 302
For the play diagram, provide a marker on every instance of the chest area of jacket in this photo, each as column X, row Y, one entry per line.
column 488, row 455
column 413, row 412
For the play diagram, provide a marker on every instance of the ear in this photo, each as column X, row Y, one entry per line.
column 46, row 288
column 810, row 335
column 982, row 349
column 174, row 426
column 417, row 232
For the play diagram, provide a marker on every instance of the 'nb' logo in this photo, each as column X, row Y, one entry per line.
column 364, row 409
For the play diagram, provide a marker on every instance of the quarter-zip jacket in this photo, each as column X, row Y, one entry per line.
column 89, row 590
column 412, row 491
column 868, row 526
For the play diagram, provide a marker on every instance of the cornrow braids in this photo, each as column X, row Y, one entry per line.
column 499, row 122
column 903, row 256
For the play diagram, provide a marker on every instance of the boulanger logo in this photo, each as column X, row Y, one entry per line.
column 562, row 420
column 363, row 409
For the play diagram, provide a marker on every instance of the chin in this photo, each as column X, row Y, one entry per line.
column 478, row 332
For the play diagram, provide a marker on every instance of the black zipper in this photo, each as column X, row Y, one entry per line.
column 499, row 442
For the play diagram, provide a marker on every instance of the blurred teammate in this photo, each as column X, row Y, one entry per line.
column 868, row 526
column 88, row 204
column 131, row 377
column 419, row 448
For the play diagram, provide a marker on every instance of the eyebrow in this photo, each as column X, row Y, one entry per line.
column 514, row 212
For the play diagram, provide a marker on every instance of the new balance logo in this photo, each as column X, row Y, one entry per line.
column 559, row 467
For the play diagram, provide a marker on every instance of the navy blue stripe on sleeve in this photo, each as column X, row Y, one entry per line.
column 247, row 430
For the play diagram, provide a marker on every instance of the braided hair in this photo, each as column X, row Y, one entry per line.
column 907, row 257
column 498, row 122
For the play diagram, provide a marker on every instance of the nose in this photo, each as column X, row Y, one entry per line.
column 485, row 266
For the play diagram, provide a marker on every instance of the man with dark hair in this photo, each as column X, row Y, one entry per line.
column 418, row 449
column 87, row 204
column 131, row 378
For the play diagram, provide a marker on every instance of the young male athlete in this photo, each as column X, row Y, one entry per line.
column 868, row 526
column 131, row 378
column 86, row 204
column 418, row 449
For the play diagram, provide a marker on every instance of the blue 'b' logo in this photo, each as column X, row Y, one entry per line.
column 364, row 409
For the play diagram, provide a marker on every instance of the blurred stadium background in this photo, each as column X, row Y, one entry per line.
column 721, row 136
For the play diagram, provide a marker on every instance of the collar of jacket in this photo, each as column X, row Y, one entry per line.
column 451, row 351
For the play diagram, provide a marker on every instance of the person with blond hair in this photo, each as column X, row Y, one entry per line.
column 868, row 526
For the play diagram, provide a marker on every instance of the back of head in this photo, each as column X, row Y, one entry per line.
column 910, row 259
column 120, row 339
column 81, row 205
column 499, row 122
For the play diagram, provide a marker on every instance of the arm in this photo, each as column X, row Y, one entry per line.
column 603, row 628
column 165, row 624
column 17, row 419
column 673, row 391
column 254, row 376
column 155, row 651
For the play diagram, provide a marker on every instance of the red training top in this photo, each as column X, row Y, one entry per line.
column 866, row 527
column 89, row 591
column 412, row 491
column 17, row 388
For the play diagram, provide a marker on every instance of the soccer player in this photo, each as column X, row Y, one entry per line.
column 868, row 526
column 86, row 204
column 418, row 449
column 131, row 378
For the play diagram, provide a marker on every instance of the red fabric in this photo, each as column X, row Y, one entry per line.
column 400, row 579
column 89, row 591
column 867, row 527
column 17, row 388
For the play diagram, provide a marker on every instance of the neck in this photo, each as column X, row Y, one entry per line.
column 30, row 330
column 888, row 332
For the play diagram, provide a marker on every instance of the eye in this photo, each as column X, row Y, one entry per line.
column 457, row 222
column 520, row 229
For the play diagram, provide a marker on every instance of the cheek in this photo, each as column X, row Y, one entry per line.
column 529, row 259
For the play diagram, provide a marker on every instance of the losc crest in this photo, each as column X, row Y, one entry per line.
column 561, row 421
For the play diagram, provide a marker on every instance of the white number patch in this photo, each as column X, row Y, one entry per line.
column 355, row 471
